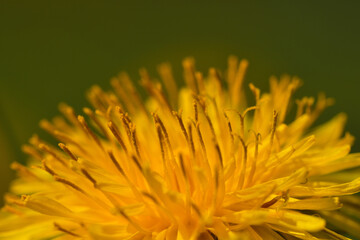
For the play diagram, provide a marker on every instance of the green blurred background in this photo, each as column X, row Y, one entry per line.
column 53, row 51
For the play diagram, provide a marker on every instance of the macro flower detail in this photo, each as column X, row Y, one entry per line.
column 196, row 162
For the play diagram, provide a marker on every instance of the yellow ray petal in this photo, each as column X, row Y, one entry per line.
column 333, row 190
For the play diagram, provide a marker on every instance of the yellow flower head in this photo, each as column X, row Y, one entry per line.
column 190, row 163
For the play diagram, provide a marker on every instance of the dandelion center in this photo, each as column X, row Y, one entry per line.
column 195, row 162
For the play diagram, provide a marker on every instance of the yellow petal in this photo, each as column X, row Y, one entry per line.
column 47, row 206
column 333, row 190
column 350, row 161
column 313, row 204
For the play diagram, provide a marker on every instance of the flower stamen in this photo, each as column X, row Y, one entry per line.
column 67, row 150
column 115, row 131
column 60, row 228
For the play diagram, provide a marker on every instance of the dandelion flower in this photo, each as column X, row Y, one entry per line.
column 190, row 163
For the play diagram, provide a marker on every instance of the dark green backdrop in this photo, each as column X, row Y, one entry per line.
column 53, row 51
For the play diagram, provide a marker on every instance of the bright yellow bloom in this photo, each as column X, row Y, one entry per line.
column 195, row 163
